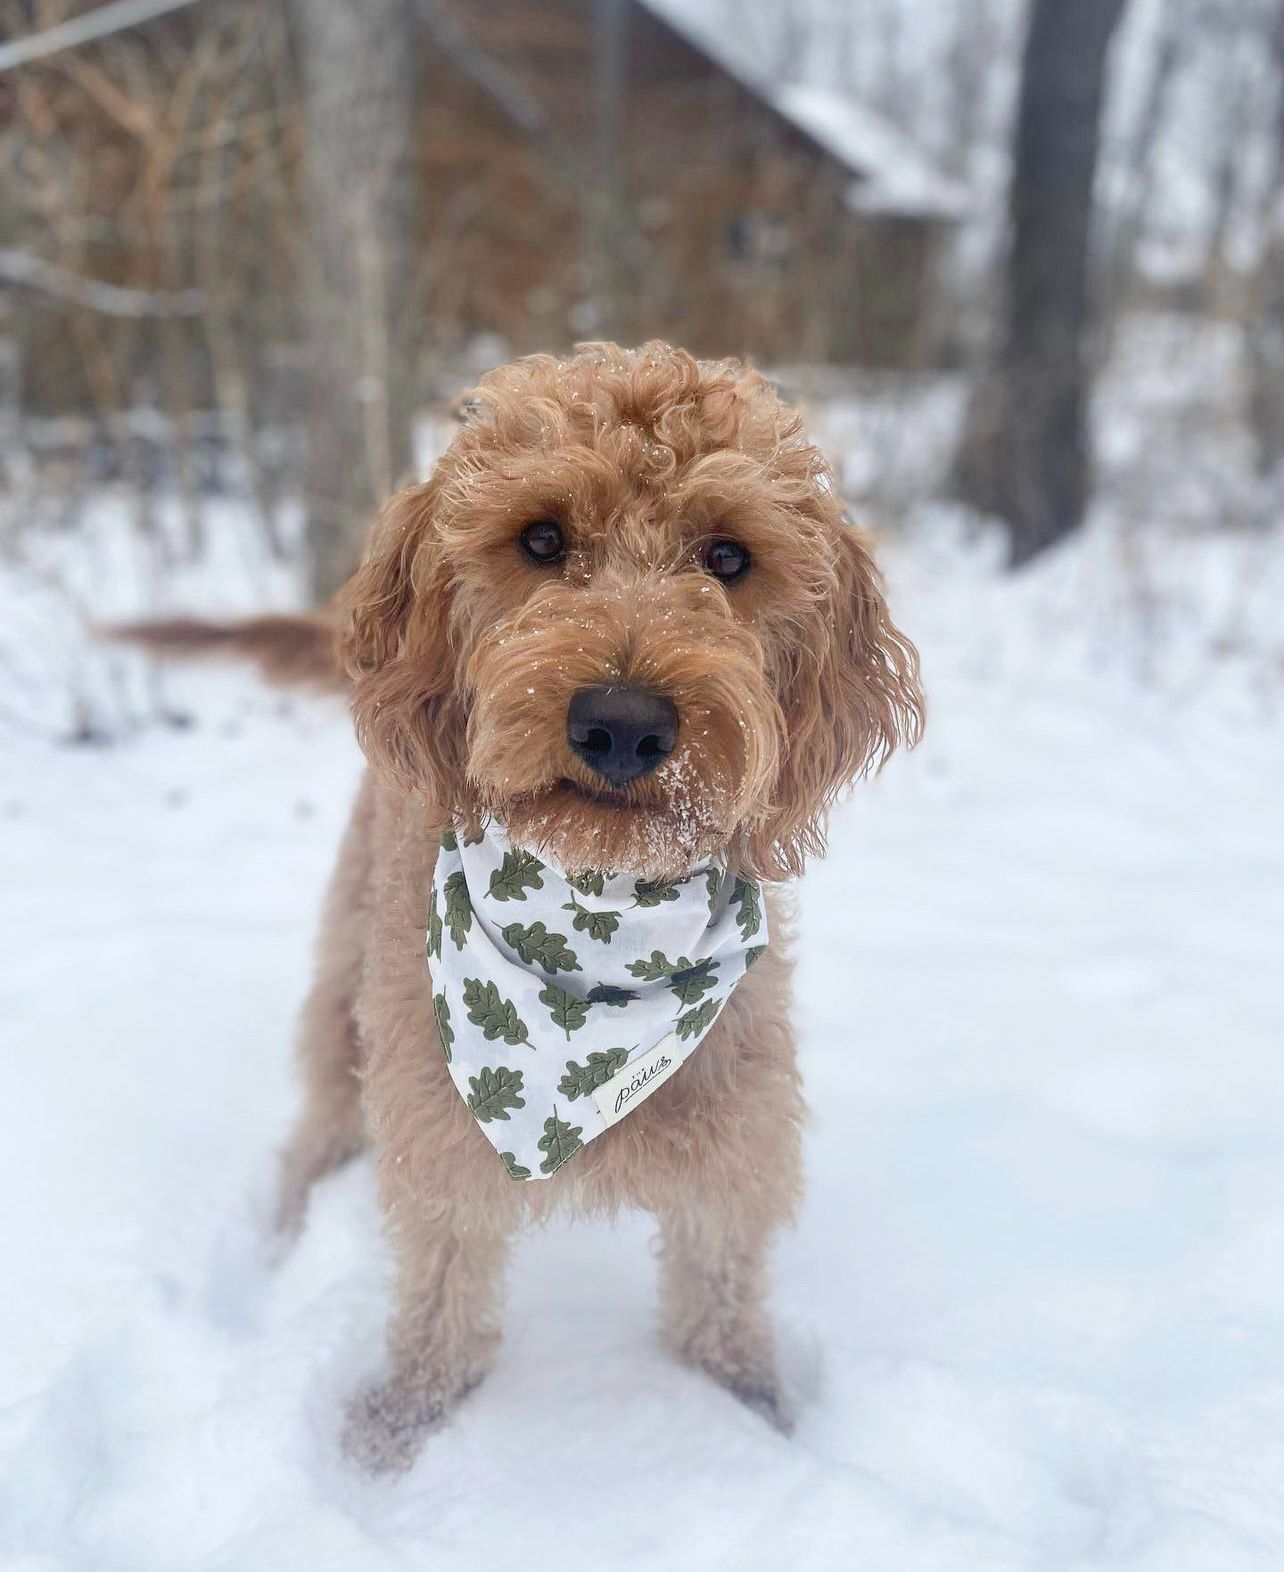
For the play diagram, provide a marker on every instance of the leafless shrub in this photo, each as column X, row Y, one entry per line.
column 151, row 197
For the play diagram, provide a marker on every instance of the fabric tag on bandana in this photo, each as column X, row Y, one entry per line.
column 637, row 1080
column 563, row 1001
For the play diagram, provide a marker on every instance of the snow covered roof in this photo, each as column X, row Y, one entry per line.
column 893, row 176
column 890, row 174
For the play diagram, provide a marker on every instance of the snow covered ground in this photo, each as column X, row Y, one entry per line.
column 1033, row 1314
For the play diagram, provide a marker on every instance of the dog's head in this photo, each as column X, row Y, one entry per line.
column 625, row 617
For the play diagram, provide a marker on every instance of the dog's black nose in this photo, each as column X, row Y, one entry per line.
column 621, row 733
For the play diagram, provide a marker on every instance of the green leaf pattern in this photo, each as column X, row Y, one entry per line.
column 578, row 964
column 559, row 1142
column 496, row 1015
column 459, row 909
column 538, row 947
column 591, row 882
column 518, row 872
column 692, row 981
column 598, row 925
column 609, row 994
column 444, row 1029
column 450, row 840
column 515, row 1169
column 655, row 968
column 581, row 1079
column 748, row 903
column 698, row 1020
column 567, row 1011
column 712, row 887
column 493, row 1092
column 649, row 892
column 434, row 929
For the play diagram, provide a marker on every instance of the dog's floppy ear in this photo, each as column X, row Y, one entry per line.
column 397, row 652
column 847, row 706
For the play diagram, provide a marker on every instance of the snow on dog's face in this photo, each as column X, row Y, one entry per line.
column 625, row 616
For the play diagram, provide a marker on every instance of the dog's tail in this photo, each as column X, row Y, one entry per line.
column 299, row 651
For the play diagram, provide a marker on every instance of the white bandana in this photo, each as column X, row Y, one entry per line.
column 564, row 1001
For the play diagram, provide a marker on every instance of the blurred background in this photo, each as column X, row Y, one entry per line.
column 1022, row 264
column 1022, row 258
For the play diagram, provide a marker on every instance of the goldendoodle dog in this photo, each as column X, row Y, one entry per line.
column 611, row 664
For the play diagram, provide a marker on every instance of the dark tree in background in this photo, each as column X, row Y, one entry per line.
column 604, row 208
column 359, row 66
column 1024, row 455
column 1264, row 332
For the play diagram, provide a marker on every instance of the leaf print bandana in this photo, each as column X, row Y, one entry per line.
column 563, row 1000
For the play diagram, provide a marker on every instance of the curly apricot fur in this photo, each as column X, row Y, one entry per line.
column 463, row 655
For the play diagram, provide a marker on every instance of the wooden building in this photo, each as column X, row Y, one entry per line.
column 589, row 168
column 598, row 169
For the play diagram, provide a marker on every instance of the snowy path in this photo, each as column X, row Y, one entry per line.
column 1034, row 1312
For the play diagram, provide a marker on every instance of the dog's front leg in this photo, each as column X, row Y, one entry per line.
column 449, row 1206
column 444, row 1331
column 713, row 1298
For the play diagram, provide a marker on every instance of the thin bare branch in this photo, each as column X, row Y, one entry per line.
column 21, row 267
column 99, row 23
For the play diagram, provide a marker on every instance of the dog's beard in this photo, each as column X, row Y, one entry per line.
column 656, row 830
column 525, row 775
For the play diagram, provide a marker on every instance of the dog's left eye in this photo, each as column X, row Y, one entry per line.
column 543, row 541
column 726, row 560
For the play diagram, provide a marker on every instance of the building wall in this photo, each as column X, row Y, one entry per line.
column 730, row 232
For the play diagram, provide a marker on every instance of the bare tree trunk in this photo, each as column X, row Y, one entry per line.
column 1264, row 327
column 977, row 40
column 1120, row 263
column 603, row 212
column 1024, row 455
column 360, row 70
column 1265, row 352
column 1219, row 283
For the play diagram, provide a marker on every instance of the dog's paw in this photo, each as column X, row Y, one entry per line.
column 757, row 1388
column 385, row 1425
column 767, row 1401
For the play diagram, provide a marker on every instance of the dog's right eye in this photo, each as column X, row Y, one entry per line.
column 543, row 541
